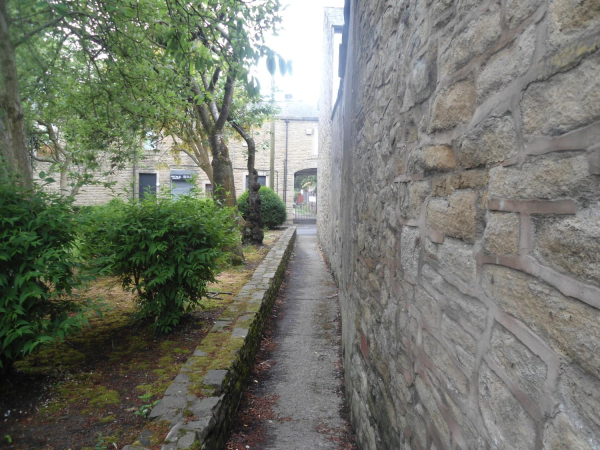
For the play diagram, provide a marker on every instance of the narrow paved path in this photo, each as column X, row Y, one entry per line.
column 305, row 376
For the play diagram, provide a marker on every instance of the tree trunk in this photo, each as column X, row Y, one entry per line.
column 14, row 140
column 64, row 177
column 253, row 228
column 224, row 189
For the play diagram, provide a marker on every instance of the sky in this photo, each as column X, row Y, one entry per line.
column 299, row 40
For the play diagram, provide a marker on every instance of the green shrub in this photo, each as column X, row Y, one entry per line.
column 272, row 207
column 166, row 251
column 37, row 271
column 94, row 224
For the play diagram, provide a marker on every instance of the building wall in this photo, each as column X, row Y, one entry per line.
column 468, row 242
column 326, row 190
column 302, row 154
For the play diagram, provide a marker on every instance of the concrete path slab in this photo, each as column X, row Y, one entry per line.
column 307, row 350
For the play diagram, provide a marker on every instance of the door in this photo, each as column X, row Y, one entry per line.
column 147, row 184
column 305, row 196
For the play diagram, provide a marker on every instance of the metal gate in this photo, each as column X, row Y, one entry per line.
column 305, row 196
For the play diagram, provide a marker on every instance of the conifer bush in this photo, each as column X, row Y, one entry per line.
column 272, row 207
column 38, row 273
column 166, row 251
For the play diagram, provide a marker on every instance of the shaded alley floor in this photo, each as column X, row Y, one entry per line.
column 303, row 385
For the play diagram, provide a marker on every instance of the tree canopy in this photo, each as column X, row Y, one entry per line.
column 83, row 81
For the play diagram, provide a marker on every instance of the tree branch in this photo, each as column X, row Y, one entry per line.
column 227, row 100
column 37, row 30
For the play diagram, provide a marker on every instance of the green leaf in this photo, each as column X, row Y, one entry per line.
column 282, row 66
column 271, row 64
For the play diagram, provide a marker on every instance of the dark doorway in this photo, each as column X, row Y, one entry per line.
column 305, row 196
column 147, row 184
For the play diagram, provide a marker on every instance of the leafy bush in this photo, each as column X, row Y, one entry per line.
column 37, row 271
column 166, row 251
column 272, row 207
column 94, row 225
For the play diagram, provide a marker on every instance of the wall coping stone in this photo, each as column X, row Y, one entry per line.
column 207, row 421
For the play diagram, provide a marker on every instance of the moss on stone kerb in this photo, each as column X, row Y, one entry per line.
column 200, row 403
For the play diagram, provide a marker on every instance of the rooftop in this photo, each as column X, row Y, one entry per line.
column 297, row 110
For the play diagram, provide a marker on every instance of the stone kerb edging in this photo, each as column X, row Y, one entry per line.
column 199, row 405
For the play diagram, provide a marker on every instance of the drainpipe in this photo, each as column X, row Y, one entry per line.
column 272, row 153
column 133, row 175
column 285, row 163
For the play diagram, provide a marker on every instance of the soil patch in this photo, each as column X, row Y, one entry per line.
column 94, row 390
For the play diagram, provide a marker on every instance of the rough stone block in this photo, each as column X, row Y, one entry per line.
column 571, row 244
column 420, row 431
column 478, row 36
column 453, row 105
column 453, row 377
column 561, row 434
column 501, row 235
column 427, row 399
column 462, row 342
column 168, row 403
column 423, row 76
column 519, row 10
column 594, row 161
column 523, row 366
column 220, row 326
column 455, row 217
column 215, row 378
column 427, row 306
column 410, row 249
column 239, row 333
column 544, row 178
column 444, row 185
column 469, row 431
column 507, row 65
column 564, row 102
column 412, row 196
column 461, row 305
column 507, row 422
column 457, row 257
column 187, row 440
column 204, row 406
column 571, row 327
column 177, row 389
column 182, row 378
column 572, row 19
column 581, row 393
column 435, row 158
column 492, row 141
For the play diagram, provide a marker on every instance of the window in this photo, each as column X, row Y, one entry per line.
column 181, row 182
column 208, row 190
column 262, row 180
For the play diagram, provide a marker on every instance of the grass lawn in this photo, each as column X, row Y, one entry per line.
column 91, row 390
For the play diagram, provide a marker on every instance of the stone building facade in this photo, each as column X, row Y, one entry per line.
column 463, row 222
column 296, row 129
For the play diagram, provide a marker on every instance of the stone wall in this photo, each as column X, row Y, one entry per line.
column 464, row 223
column 327, row 191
